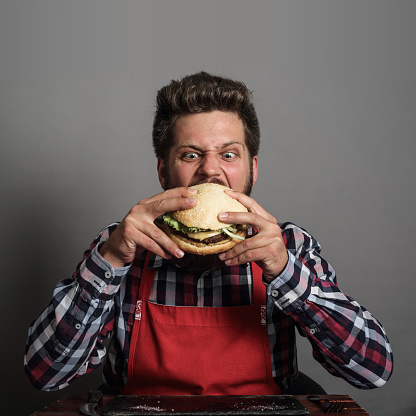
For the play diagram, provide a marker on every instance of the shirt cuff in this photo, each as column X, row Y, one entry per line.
column 99, row 277
column 292, row 287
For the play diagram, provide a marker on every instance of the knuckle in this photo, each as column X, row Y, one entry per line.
column 151, row 244
column 252, row 207
column 159, row 204
column 278, row 240
column 143, row 201
column 246, row 244
column 275, row 239
column 248, row 255
column 158, row 233
column 135, row 210
column 129, row 223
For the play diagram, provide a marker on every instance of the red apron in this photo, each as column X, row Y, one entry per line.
column 200, row 350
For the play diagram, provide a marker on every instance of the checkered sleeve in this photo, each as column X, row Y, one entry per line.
column 346, row 339
column 66, row 340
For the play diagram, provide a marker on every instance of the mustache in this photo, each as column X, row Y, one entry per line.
column 209, row 180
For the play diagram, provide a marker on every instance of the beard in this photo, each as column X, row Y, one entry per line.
column 193, row 262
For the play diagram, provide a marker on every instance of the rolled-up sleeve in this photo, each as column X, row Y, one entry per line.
column 346, row 339
column 66, row 340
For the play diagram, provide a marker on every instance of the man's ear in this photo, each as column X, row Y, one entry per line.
column 255, row 168
column 161, row 172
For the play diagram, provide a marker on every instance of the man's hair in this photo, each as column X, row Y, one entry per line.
column 201, row 93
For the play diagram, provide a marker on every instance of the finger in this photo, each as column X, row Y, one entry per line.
column 162, row 206
column 181, row 192
column 251, row 249
column 158, row 207
column 152, row 238
column 247, row 256
column 147, row 243
column 240, row 248
column 255, row 220
column 251, row 205
column 271, row 258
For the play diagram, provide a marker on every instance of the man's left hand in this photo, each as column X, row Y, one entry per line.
column 266, row 248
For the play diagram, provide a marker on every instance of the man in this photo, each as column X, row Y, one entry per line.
column 180, row 325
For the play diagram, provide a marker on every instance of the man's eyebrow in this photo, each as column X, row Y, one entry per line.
column 196, row 147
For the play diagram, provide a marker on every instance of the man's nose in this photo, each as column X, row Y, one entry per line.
column 210, row 166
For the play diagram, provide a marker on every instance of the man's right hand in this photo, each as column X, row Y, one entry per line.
column 138, row 232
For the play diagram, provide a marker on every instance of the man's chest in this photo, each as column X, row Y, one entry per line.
column 172, row 287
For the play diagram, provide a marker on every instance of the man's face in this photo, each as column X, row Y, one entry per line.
column 209, row 147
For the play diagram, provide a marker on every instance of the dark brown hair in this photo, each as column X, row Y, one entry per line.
column 200, row 93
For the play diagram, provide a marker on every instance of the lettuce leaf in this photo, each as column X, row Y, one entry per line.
column 178, row 226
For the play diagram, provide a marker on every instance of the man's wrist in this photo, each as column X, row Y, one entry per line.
column 107, row 255
column 283, row 264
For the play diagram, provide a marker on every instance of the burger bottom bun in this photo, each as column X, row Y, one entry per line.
column 201, row 249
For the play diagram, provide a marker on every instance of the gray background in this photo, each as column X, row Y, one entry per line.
column 334, row 85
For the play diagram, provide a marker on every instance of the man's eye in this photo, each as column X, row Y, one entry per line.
column 229, row 155
column 190, row 155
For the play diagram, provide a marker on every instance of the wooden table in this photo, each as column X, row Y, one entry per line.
column 69, row 406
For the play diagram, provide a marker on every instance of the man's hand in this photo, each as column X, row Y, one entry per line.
column 266, row 248
column 138, row 232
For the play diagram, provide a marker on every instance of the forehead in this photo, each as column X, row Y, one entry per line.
column 212, row 129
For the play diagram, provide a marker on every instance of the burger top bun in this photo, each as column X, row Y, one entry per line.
column 212, row 200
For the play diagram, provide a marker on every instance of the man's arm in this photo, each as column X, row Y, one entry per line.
column 346, row 339
column 66, row 340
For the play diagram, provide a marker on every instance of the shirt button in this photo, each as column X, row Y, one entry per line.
column 312, row 331
column 78, row 326
column 107, row 274
column 275, row 293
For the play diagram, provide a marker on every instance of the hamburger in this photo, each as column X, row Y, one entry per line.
column 198, row 230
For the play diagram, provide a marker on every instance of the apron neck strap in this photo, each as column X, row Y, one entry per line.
column 259, row 290
column 146, row 281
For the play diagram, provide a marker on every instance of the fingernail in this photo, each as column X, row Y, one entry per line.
column 193, row 191
column 223, row 215
column 179, row 253
column 222, row 256
column 190, row 200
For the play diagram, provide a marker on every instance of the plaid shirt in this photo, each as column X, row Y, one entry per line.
column 67, row 339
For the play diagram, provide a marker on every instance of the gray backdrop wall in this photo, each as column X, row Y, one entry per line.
column 334, row 85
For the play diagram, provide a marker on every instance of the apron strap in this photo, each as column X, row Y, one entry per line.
column 259, row 289
column 146, row 281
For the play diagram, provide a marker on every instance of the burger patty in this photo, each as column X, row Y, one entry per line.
column 210, row 240
column 215, row 239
